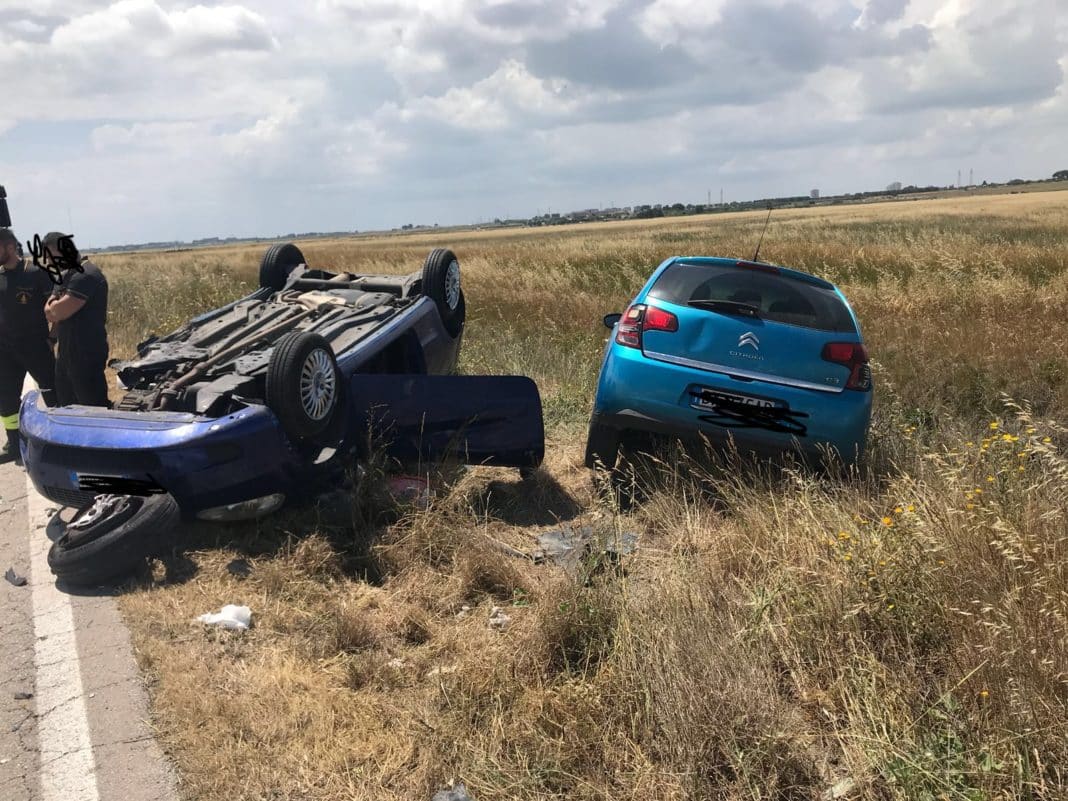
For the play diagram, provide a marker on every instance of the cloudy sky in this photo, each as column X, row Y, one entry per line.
column 143, row 120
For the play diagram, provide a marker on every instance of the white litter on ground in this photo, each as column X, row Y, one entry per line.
column 498, row 620
column 229, row 617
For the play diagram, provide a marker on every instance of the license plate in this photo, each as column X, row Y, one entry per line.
column 712, row 399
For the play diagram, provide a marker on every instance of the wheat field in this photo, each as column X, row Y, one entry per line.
column 899, row 635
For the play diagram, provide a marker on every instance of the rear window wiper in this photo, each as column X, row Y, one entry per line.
column 726, row 306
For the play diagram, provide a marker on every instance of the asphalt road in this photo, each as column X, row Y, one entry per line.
column 73, row 709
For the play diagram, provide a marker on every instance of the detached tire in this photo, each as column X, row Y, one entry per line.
column 441, row 283
column 277, row 263
column 303, row 384
column 110, row 537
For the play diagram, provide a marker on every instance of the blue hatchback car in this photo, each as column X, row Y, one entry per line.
column 747, row 353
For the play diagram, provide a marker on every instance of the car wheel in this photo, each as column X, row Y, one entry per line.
column 112, row 535
column 278, row 262
column 303, row 384
column 602, row 446
column 441, row 283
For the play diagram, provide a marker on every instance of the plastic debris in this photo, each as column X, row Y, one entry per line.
column 498, row 619
column 238, row 618
column 840, row 790
column 455, row 793
column 410, row 490
column 15, row 578
column 23, row 696
column 567, row 546
column 464, row 611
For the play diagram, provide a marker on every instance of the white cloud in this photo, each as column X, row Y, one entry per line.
column 174, row 118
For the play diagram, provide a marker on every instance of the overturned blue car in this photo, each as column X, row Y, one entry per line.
column 264, row 400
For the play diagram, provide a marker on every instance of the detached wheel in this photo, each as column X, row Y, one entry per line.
column 303, row 384
column 441, row 283
column 278, row 262
column 111, row 536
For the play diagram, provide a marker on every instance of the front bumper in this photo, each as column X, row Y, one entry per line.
column 203, row 462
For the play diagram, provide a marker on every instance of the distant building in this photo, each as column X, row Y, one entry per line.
column 814, row 194
column 894, row 187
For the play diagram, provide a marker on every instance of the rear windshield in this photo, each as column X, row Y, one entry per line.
column 777, row 297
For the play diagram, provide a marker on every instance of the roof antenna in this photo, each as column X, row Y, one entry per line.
column 757, row 252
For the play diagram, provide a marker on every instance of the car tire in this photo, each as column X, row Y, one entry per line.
column 97, row 551
column 277, row 263
column 303, row 384
column 602, row 446
column 441, row 283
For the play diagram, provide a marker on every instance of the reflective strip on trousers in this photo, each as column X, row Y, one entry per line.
column 11, row 422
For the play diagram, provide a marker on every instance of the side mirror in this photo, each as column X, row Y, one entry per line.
column 610, row 320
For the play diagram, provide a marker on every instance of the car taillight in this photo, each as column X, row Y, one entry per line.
column 854, row 356
column 639, row 318
column 659, row 320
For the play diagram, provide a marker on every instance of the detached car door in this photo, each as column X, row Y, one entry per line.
column 482, row 420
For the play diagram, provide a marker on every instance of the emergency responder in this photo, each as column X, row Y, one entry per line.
column 78, row 308
column 24, row 345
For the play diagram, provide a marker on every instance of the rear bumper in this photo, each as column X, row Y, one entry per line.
column 639, row 394
column 203, row 462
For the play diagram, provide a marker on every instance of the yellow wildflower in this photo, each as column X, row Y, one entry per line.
column 888, row 521
column 994, row 426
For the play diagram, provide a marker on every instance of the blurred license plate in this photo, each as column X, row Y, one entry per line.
column 714, row 399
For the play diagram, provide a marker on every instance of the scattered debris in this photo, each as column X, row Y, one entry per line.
column 229, row 617
column 239, row 567
column 498, row 620
column 454, row 793
column 410, row 490
column 15, row 578
column 397, row 663
column 23, row 696
column 567, row 546
column 464, row 612
column 443, row 670
column 840, row 790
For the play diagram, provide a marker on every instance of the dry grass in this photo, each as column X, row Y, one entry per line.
column 773, row 636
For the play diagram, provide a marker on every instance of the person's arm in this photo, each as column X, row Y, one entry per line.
column 70, row 298
column 59, row 309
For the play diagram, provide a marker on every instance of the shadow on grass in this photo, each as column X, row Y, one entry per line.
column 536, row 500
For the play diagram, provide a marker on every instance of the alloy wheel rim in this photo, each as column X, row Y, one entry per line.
column 452, row 286
column 318, row 385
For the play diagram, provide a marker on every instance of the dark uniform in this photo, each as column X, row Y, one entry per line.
column 82, row 338
column 24, row 345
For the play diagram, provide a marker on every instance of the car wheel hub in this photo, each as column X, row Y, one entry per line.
column 103, row 506
column 452, row 286
column 318, row 385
